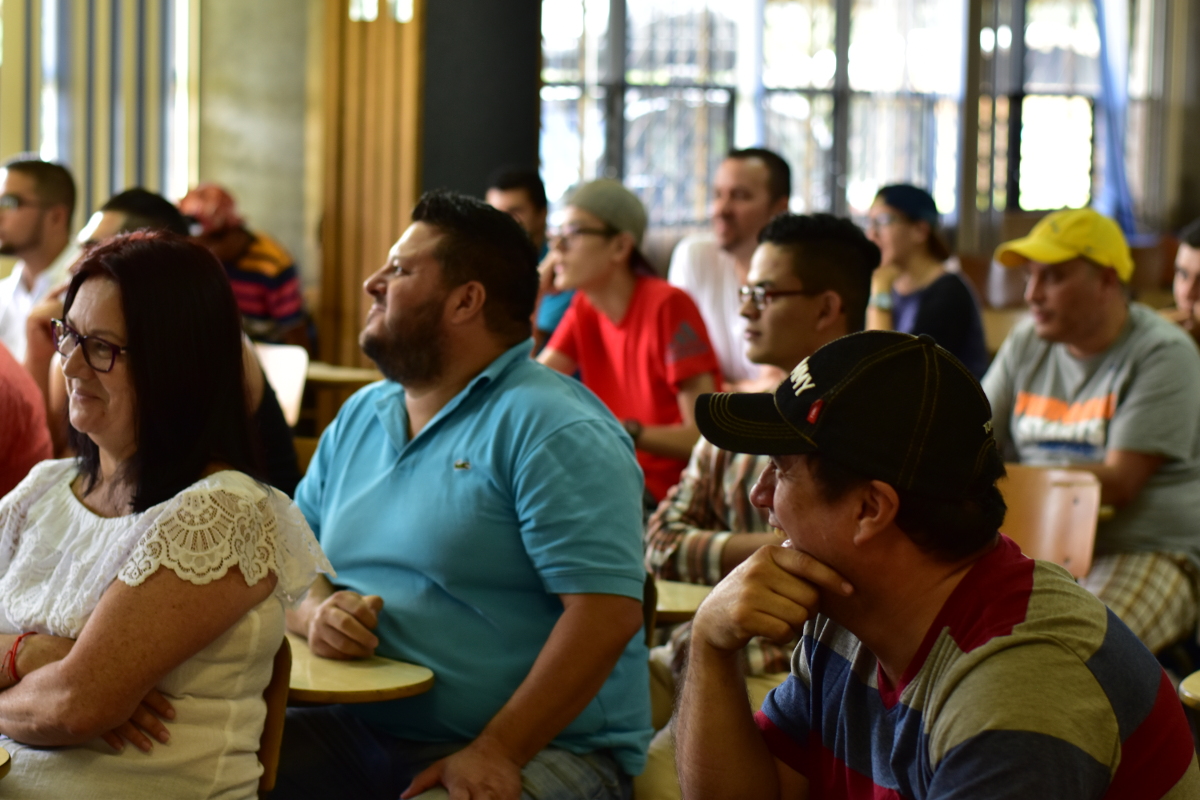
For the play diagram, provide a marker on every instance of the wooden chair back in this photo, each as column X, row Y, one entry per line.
column 1052, row 514
column 286, row 366
column 650, row 608
column 276, row 695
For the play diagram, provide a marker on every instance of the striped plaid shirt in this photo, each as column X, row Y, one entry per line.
column 687, row 533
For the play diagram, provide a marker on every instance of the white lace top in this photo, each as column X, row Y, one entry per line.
column 56, row 560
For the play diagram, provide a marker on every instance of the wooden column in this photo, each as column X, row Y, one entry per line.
column 372, row 108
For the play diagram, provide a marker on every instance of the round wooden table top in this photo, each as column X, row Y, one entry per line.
column 366, row 680
column 334, row 374
column 5, row 762
column 677, row 602
column 1189, row 691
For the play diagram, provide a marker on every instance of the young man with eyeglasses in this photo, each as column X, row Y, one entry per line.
column 37, row 199
column 808, row 284
column 750, row 187
column 639, row 343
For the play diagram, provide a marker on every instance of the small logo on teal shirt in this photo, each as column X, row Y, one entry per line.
column 462, row 464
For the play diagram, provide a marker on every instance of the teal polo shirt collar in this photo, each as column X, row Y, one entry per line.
column 393, row 415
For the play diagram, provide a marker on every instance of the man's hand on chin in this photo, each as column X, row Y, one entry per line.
column 772, row 594
column 481, row 770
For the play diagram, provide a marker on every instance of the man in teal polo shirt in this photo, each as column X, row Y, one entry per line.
column 483, row 515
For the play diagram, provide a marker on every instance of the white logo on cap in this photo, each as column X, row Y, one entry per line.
column 801, row 380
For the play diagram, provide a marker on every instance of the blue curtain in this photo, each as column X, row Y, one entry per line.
column 1114, row 199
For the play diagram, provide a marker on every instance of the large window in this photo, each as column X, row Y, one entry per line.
column 853, row 93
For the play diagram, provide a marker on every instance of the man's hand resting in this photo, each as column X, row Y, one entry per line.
column 772, row 594
column 481, row 770
column 340, row 627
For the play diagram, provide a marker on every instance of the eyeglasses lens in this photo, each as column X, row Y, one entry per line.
column 98, row 354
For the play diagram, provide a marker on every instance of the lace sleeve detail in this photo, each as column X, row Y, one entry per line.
column 205, row 531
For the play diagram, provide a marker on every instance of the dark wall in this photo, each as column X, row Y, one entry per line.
column 481, row 90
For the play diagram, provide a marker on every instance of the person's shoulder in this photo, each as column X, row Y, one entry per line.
column 265, row 256
column 693, row 257
column 538, row 400
column 8, row 285
column 534, row 390
column 1023, row 337
column 954, row 285
column 697, row 244
column 659, row 294
column 48, row 473
column 1151, row 328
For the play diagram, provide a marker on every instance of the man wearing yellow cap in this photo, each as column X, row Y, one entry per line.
column 1096, row 382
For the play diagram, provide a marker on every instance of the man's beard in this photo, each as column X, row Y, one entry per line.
column 413, row 352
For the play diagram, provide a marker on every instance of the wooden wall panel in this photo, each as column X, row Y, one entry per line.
column 372, row 160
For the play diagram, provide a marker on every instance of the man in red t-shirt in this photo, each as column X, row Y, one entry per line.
column 24, row 437
column 639, row 343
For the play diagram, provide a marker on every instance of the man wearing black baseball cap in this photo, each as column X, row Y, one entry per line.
column 935, row 660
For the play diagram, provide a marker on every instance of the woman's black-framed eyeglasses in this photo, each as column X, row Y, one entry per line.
column 759, row 295
column 100, row 354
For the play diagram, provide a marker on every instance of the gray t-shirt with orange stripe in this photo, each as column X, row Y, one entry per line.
column 1142, row 395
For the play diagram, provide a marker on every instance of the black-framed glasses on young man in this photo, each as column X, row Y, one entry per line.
column 760, row 295
column 100, row 354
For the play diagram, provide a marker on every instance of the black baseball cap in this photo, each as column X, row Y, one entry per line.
column 885, row 405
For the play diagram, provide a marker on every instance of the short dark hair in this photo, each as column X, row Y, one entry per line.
column 481, row 243
column 55, row 186
column 917, row 205
column 509, row 178
column 143, row 209
column 828, row 254
column 1190, row 235
column 185, row 360
column 949, row 530
column 779, row 174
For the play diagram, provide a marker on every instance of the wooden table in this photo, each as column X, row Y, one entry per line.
column 367, row 680
column 1189, row 691
column 341, row 377
column 330, row 386
column 5, row 762
column 677, row 602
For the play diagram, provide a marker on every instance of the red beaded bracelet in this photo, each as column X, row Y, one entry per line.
column 10, row 658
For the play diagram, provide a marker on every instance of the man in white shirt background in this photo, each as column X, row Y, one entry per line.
column 37, row 199
column 750, row 188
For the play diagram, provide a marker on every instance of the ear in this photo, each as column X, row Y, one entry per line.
column 878, row 505
column 831, row 310
column 59, row 216
column 623, row 246
column 924, row 231
column 1110, row 280
column 465, row 303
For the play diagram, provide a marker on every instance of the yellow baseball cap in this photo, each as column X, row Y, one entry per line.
column 1069, row 234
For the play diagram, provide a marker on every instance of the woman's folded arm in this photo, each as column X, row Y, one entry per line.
column 136, row 635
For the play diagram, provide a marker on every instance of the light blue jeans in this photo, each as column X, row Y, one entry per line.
column 329, row 753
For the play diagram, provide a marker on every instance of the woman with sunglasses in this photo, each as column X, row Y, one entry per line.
column 912, row 291
column 143, row 584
